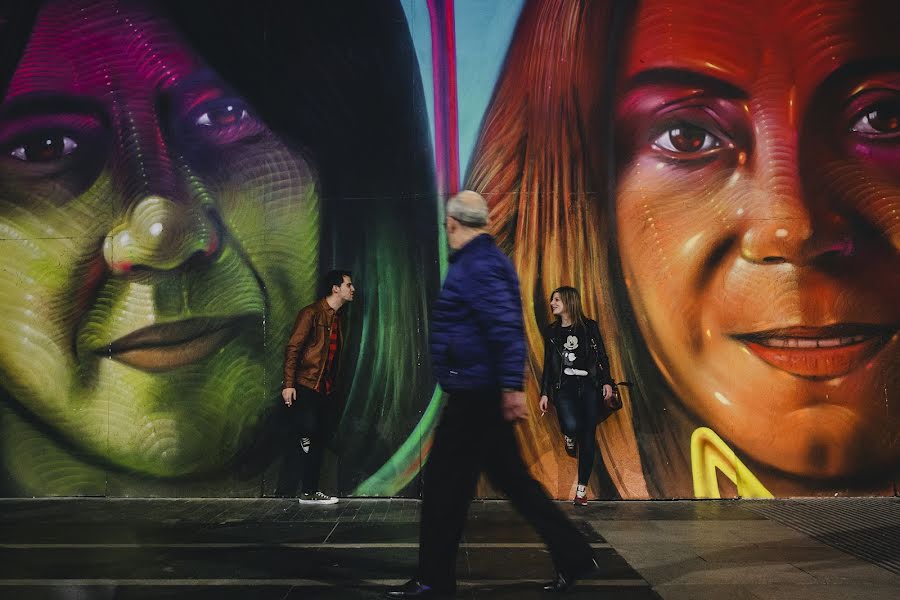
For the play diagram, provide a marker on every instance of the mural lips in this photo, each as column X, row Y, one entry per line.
column 819, row 352
column 171, row 345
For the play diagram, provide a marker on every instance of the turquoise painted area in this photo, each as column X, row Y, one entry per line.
column 484, row 29
column 483, row 32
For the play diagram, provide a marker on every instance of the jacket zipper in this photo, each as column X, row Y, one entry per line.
column 324, row 364
column 560, row 370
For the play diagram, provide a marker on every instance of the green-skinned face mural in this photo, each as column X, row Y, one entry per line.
column 158, row 237
column 145, row 248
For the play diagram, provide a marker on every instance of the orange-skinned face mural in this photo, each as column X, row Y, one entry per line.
column 723, row 187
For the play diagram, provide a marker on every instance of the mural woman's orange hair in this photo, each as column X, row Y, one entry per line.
column 532, row 164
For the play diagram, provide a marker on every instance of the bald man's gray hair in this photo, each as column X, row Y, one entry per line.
column 469, row 208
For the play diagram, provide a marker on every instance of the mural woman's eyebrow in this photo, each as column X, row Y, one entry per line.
column 687, row 77
column 44, row 103
column 853, row 72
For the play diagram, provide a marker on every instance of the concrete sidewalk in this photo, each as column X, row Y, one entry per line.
column 90, row 549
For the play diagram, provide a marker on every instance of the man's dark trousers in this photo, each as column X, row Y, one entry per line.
column 473, row 436
column 314, row 416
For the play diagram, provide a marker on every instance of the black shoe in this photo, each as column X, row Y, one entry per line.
column 415, row 589
column 560, row 584
column 566, row 581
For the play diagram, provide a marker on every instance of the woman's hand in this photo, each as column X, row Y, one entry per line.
column 544, row 403
column 607, row 391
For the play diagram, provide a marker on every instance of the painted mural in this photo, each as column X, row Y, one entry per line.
column 174, row 178
column 721, row 180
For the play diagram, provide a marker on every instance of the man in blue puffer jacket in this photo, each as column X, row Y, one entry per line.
column 478, row 355
column 477, row 336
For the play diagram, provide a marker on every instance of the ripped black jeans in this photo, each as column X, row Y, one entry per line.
column 576, row 408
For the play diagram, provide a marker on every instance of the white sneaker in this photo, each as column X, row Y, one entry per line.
column 580, row 495
column 317, row 498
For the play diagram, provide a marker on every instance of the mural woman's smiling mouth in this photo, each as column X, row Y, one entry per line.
column 818, row 352
column 171, row 345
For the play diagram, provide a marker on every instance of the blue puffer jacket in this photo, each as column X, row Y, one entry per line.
column 477, row 338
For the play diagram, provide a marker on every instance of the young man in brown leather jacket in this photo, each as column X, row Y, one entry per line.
column 311, row 364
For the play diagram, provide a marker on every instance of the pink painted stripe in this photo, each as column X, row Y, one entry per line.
column 443, row 65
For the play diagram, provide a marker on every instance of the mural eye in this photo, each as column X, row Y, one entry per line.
column 879, row 120
column 44, row 148
column 221, row 123
column 686, row 139
column 221, row 117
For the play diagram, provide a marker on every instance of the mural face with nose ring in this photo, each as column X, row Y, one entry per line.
column 151, row 223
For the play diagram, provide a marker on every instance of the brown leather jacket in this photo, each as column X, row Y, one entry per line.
column 307, row 350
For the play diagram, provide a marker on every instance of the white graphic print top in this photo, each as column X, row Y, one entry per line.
column 573, row 351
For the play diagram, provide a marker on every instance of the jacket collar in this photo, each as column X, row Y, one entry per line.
column 325, row 307
column 556, row 326
column 483, row 240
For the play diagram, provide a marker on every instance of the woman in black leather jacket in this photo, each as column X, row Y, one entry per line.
column 576, row 372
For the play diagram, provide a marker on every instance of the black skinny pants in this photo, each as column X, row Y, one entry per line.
column 576, row 408
column 473, row 436
column 314, row 416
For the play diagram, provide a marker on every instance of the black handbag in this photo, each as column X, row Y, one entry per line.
column 614, row 402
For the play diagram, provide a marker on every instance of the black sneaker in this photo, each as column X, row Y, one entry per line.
column 317, row 498
column 416, row 589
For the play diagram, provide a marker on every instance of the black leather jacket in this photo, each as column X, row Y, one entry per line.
column 598, row 362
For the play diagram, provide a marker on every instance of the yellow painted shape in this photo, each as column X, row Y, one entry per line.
column 709, row 453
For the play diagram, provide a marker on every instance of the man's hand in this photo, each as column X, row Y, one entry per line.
column 544, row 403
column 289, row 395
column 607, row 391
column 513, row 405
